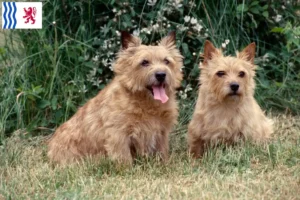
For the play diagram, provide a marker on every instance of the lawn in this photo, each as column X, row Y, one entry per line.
column 245, row 171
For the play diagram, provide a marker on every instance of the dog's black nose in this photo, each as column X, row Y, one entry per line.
column 160, row 76
column 234, row 86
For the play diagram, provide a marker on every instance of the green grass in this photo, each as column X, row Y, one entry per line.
column 245, row 171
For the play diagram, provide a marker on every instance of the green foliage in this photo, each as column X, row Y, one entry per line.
column 47, row 74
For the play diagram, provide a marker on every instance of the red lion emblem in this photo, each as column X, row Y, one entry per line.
column 30, row 14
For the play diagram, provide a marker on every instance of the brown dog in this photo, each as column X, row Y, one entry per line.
column 134, row 114
column 226, row 110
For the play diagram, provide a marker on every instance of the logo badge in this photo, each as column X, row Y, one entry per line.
column 30, row 14
column 21, row 15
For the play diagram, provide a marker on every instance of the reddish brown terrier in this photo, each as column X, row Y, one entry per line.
column 131, row 116
column 226, row 110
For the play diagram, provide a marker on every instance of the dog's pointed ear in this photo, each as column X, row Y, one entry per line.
column 169, row 41
column 129, row 40
column 248, row 53
column 209, row 51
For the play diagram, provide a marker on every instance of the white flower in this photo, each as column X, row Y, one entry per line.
column 283, row 7
column 227, row 41
column 96, row 58
column 182, row 95
column 151, row 2
column 109, row 53
column 192, row 4
column 96, row 82
column 136, row 32
column 104, row 61
column 111, row 64
column 119, row 12
column 187, row 19
column 118, row 33
column 105, row 45
column 54, row 22
column 278, row 18
column 223, row 45
column 188, row 88
column 155, row 26
column 266, row 55
column 193, row 20
column 168, row 9
column 86, row 57
column 182, row 28
column 146, row 30
column 83, row 90
column 93, row 72
column 103, row 28
column 177, row 3
column 114, row 10
column 265, row 58
column 198, row 27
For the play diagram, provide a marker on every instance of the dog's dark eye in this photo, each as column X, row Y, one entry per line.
column 241, row 74
column 145, row 63
column 220, row 73
column 166, row 61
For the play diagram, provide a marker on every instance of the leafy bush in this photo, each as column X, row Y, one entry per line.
column 48, row 73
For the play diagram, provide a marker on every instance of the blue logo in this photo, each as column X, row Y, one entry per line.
column 9, row 15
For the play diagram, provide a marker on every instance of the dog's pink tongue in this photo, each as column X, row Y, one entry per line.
column 160, row 93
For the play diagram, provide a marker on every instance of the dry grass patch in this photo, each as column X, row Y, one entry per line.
column 243, row 172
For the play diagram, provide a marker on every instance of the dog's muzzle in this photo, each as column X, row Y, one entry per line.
column 160, row 76
column 234, row 88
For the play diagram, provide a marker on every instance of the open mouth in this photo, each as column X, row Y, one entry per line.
column 159, row 92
